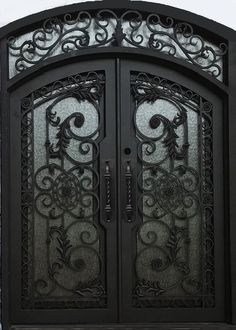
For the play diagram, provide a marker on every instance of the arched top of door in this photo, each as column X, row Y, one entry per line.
column 124, row 27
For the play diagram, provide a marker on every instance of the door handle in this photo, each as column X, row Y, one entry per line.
column 108, row 182
column 128, row 207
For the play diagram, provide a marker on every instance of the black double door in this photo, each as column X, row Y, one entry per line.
column 117, row 208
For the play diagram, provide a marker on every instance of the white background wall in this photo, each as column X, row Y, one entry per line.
column 223, row 11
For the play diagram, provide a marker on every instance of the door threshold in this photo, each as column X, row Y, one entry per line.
column 112, row 326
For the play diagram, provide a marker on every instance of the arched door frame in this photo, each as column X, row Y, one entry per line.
column 226, row 89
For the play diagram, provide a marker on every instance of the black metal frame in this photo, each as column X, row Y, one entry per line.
column 226, row 90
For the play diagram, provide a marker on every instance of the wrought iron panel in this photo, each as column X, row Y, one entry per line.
column 63, row 258
column 112, row 28
column 175, row 244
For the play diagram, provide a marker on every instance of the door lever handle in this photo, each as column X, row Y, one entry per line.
column 108, row 182
column 128, row 177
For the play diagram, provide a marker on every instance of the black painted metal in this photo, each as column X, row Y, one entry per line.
column 32, row 51
column 129, row 232
column 119, row 214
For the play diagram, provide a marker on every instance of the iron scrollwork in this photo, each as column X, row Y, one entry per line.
column 70, row 192
column 106, row 27
column 63, row 193
column 175, row 192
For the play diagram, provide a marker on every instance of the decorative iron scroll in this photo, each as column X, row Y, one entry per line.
column 108, row 28
column 60, row 199
column 175, row 241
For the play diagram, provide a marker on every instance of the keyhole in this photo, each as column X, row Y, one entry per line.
column 127, row 151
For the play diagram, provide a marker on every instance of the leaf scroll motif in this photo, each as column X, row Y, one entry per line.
column 90, row 289
column 146, row 288
column 149, row 92
column 61, row 239
column 63, row 243
column 65, row 134
column 170, row 141
column 90, row 92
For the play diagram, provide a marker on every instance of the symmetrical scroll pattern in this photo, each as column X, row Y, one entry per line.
column 106, row 27
column 175, row 240
column 61, row 240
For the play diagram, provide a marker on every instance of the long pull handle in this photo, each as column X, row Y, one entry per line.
column 108, row 182
column 128, row 177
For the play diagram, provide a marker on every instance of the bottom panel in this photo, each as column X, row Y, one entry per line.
column 172, row 326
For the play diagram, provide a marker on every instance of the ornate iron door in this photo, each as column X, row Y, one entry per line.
column 63, row 220
column 172, row 205
column 117, row 196
column 118, row 169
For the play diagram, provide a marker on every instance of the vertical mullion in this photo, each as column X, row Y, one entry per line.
column 200, row 168
column 118, row 164
column 232, row 176
column 4, row 185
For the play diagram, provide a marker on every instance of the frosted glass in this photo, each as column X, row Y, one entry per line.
column 170, row 131
column 59, row 137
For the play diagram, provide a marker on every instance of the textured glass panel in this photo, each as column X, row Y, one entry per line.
column 173, row 267
column 110, row 29
column 61, row 264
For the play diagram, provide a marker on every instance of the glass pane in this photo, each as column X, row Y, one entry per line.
column 174, row 265
column 63, row 244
